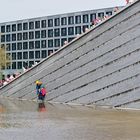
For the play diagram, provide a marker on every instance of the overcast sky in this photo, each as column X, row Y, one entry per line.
column 21, row 9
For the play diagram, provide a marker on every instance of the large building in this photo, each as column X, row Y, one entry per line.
column 30, row 40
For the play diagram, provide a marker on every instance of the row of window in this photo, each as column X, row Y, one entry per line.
column 23, row 26
column 78, row 19
column 53, row 22
column 23, row 36
column 42, row 34
column 37, row 44
column 25, row 45
column 20, row 65
column 29, row 55
column 26, row 55
column 67, row 31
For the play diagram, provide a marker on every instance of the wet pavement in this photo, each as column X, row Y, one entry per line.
column 24, row 120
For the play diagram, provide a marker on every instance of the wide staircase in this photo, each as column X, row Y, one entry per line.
column 101, row 66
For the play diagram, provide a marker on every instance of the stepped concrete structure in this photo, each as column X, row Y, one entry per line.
column 100, row 67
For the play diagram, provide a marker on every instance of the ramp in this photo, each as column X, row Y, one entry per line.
column 100, row 67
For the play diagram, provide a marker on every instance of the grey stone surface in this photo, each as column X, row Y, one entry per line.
column 102, row 66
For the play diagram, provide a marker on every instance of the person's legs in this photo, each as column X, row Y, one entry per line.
column 41, row 97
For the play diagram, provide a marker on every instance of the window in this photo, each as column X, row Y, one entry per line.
column 31, row 54
column 25, row 55
column 56, row 21
column 63, row 21
column 57, row 32
column 8, row 65
column 43, row 34
column 31, row 35
column 50, row 43
column 78, row 19
column 85, row 27
column 19, row 65
column 8, row 28
column 8, row 47
column 63, row 31
column 31, row 63
column 70, row 20
column 13, row 56
column 13, row 46
column 25, row 26
column 31, row 45
column 85, row 18
column 43, row 23
column 109, row 13
column 92, row 17
column 37, row 34
column 37, row 44
column 50, row 33
column 70, row 31
column 50, row 23
column 37, row 24
column 31, row 25
column 101, row 15
column 43, row 53
column 19, row 46
column 37, row 54
column 2, row 38
column 13, row 37
column 19, row 36
column 25, row 45
column 19, row 26
column 2, row 29
column 50, row 52
column 78, row 30
column 19, row 55
column 13, row 65
column 63, row 41
column 25, row 36
column 43, row 43
column 8, row 38
column 13, row 27
column 25, row 64
column 70, row 39
column 57, row 43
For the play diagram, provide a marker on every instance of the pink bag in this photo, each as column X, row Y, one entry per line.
column 43, row 91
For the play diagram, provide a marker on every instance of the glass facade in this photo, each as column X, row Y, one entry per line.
column 50, row 23
column 37, row 24
column 70, row 30
column 78, row 30
column 101, row 15
column 56, row 22
column 85, row 18
column 63, row 31
column 71, row 20
column 78, row 19
column 50, row 33
column 64, row 21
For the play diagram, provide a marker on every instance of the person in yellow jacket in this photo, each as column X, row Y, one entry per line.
column 38, row 87
column 40, row 90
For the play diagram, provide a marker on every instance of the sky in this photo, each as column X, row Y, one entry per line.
column 22, row 9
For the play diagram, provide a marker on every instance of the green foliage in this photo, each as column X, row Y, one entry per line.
column 4, row 58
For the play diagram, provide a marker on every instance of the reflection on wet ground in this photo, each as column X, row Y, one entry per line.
column 24, row 120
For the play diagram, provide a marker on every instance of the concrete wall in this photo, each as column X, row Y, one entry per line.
column 101, row 67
